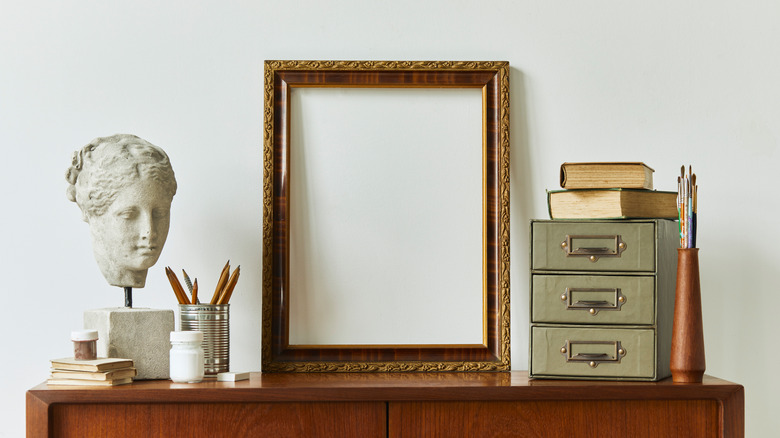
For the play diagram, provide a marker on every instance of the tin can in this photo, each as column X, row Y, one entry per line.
column 213, row 320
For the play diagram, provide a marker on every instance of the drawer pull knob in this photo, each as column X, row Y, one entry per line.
column 593, row 306
column 615, row 248
column 612, row 352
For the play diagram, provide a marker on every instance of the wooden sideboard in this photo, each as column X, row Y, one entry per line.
column 395, row 405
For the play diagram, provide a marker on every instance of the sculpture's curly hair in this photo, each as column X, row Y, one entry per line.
column 108, row 164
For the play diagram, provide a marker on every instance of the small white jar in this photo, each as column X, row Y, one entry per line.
column 187, row 356
column 84, row 344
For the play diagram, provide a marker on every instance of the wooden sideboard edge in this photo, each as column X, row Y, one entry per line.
column 732, row 413
column 36, row 415
column 504, row 387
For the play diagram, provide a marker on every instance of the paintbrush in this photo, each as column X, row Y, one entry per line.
column 680, row 210
column 694, row 214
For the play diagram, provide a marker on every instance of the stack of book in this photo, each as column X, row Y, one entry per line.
column 610, row 190
column 97, row 372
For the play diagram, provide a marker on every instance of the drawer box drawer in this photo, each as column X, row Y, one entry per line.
column 593, row 299
column 628, row 246
column 595, row 352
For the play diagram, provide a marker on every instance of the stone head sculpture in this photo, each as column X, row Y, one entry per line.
column 124, row 186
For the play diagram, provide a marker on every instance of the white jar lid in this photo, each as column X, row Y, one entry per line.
column 84, row 335
column 187, row 336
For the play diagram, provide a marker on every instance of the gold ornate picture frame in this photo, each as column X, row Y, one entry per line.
column 492, row 353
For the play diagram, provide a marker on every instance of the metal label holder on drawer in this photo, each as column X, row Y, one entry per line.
column 591, row 253
column 593, row 359
column 592, row 306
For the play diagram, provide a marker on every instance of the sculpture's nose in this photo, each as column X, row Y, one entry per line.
column 146, row 227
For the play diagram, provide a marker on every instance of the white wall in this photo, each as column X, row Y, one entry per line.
column 664, row 82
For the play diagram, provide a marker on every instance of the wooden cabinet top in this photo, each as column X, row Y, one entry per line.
column 270, row 387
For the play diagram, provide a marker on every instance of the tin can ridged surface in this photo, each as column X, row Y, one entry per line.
column 214, row 321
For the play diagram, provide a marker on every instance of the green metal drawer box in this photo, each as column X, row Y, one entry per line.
column 607, row 353
column 620, row 246
column 593, row 299
column 602, row 298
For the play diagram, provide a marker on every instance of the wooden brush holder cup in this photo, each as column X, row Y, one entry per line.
column 687, row 360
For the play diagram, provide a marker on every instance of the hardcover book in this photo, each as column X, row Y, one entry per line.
column 94, row 375
column 606, row 175
column 100, row 364
column 77, row 382
column 612, row 204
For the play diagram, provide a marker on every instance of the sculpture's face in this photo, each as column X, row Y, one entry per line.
column 127, row 239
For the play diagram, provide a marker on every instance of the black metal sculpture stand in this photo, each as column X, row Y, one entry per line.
column 128, row 297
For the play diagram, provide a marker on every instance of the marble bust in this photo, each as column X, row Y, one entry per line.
column 124, row 186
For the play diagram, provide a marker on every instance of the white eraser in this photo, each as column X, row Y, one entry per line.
column 232, row 377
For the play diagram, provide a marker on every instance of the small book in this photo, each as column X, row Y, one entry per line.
column 94, row 375
column 612, row 204
column 606, row 175
column 77, row 382
column 100, row 364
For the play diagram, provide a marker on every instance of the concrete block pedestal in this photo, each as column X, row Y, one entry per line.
column 142, row 335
